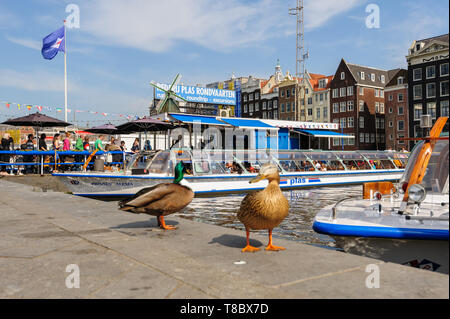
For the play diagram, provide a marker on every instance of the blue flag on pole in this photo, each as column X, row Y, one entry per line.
column 53, row 43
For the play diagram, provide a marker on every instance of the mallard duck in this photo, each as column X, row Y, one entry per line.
column 162, row 199
column 264, row 209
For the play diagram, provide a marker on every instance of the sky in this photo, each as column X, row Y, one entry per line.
column 122, row 45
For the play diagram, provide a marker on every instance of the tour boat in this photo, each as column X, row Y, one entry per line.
column 407, row 224
column 212, row 172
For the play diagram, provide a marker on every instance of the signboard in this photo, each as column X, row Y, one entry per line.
column 237, row 110
column 198, row 94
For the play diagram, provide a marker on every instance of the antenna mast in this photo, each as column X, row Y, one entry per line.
column 300, row 60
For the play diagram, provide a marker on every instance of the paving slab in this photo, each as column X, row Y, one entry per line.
column 122, row 255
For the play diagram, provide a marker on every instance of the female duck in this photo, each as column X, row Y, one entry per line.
column 264, row 209
column 162, row 199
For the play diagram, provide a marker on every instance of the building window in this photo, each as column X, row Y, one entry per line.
column 322, row 84
column 288, row 93
column 400, row 97
column 361, row 106
column 306, row 91
column 444, row 88
column 309, row 100
column 335, row 107
column 293, row 91
column 342, row 75
column 400, row 80
column 245, row 97
column 401, row 125
column 382, row 79
column 361, row 122
column 372, row 77
column 350, row 106
column 351, row 141
column 417, row 74
column 376, row 93
column 245, row 108
column 282, row 108
column 349, row 90
column 400, row 110
column 275, row 115
column 251, row 107
column 361, row 137
column 325, row 112
column 430, row 71
column 444, row 108
column 381, row 107
column 390, row 97
column 321, row 97
column 417, row 111
column 264, row 105
column 275, row 104
column 335, row 93
column 391, row 110
column 318, row 112
column 377, row 107
column 256, row 96
column 250, row 97
column 431, row 109
column 401, row 136
column 444, row 69
column 269, row 105
column 343, row 106
column 372, row 137
column 431, row 90
column 288, row 106
column 264, row 115
column 391, row 124
column 342, row 93
column 282, row 93
column 343, row 122
column 362, row 75
column 381, row 93
column 367, row 138
column 310, row 112
column 256, row 106
column 417, row 92
column 350, row 121
column 361, row 90
column 336, row 141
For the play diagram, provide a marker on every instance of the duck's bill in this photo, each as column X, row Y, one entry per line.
column 257, row 179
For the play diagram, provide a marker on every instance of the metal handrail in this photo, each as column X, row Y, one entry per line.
column 334, row 209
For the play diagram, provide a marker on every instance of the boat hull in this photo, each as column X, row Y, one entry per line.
column 116, row 186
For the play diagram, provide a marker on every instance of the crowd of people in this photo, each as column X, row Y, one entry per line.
column 60, row 142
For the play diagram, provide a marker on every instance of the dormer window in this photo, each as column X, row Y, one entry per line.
column 362, row 75
column 400, row 80
column 322, row 83
column 372, row 77
column 382, row 79
column 417, row 46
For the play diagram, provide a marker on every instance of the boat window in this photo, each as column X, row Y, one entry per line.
column 325, row 161
column 436, row 175
column 411, row 160
column 292, row 161
column 253, row 160
column 354, row 161
column 381, row 160
column 400, row 159
column 160, row 163
column 217, row 162
column 185, row 156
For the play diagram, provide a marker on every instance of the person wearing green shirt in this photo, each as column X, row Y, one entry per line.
column 79, row 144
column 98, row 143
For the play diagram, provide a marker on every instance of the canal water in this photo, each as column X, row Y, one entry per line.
column 304, row 205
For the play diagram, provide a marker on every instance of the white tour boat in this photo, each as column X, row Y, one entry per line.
column 408, row 225
column 212, row 172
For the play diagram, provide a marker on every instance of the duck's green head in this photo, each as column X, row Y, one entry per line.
column 180, row 169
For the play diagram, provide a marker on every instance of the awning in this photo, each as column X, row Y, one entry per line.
column 248, row 123
column 322, row 133
column 188, row 118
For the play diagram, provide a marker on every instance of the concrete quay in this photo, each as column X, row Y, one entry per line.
column 122, row 255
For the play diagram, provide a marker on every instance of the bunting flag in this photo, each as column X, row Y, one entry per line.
column 40, row 108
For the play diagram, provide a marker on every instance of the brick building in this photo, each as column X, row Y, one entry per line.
column 357, row 104
column 396, row 108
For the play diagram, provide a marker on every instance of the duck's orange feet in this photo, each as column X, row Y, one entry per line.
column 274, row 248
column 249, row 249
column 162, row 224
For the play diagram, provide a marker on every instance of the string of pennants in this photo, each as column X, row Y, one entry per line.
column 40, row 108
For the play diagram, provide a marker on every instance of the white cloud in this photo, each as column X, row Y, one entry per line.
column 29, row 43
column 32, row 80
column 318, row 12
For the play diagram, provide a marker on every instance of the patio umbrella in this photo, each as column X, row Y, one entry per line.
column 145, row 124
column 36, row 120
column 103, row 129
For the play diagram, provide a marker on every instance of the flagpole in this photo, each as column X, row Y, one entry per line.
column 65, row 74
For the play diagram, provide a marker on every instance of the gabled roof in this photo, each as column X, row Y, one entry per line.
column 357, row 70
column 314, row 81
